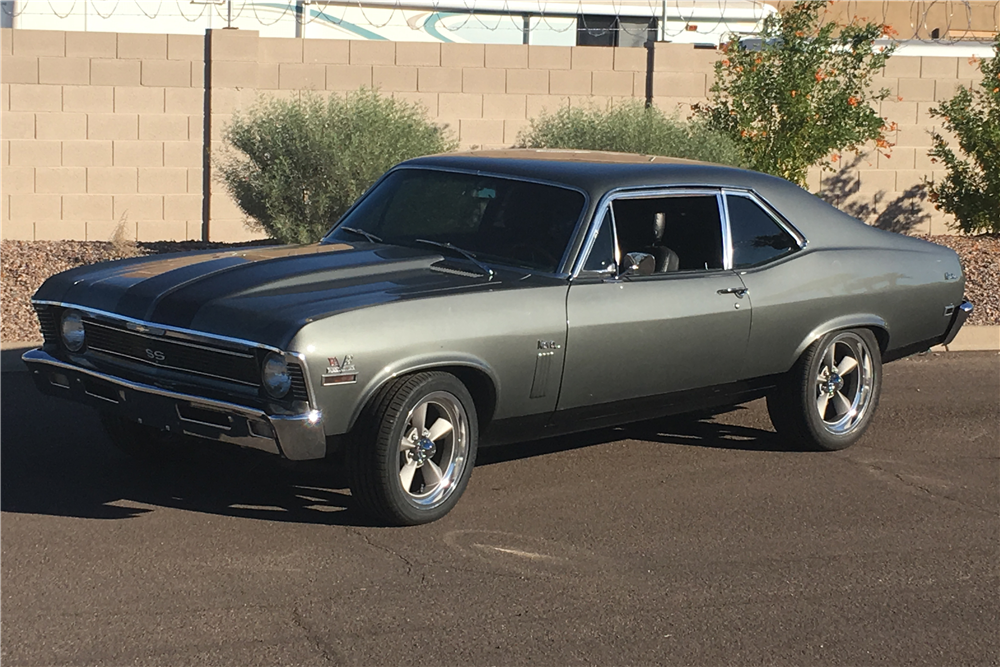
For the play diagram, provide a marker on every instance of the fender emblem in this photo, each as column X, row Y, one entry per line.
column 337, row 366
column 548, row 345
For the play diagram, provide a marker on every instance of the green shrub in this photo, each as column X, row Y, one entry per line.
column 971, row 190
column 296, row 165
column 629, row 127
column 803, row 94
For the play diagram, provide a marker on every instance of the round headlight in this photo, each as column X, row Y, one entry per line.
column 275, row 375
column 72, row 330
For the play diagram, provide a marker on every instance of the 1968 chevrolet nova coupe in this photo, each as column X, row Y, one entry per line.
column 483, row 298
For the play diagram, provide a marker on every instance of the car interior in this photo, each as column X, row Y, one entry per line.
column 682, row 233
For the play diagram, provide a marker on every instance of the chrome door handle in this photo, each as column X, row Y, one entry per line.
column 738, row 291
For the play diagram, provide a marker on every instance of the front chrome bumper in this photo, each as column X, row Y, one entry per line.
column 957, row 320
column 296, row 437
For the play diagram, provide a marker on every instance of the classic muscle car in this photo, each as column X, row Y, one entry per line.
column 490, row 297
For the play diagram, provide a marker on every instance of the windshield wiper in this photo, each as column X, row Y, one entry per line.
column 360, row 232
column 464, row 253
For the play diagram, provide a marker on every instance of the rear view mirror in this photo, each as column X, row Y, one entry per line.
column 638, row 264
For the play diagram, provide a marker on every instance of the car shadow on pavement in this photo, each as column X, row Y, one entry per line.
column 57, row 461
column 692, row 430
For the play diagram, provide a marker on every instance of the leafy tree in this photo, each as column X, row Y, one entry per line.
column 629, row 127
column 802, row 93
column 971, row 190
column 296, row 165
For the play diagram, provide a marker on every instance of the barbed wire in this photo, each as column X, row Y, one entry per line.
column 937, row 21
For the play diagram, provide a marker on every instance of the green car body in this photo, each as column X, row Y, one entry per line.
column 549, row 323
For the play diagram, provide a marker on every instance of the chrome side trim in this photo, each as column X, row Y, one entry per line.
column 190, row 334
column 300, row 436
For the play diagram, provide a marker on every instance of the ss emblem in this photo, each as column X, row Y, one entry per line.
column 155, row 355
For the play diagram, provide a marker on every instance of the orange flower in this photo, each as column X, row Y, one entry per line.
column 764, row 133
column 889, row 31
column 725, row 62
column 853, row 101
column 834, row 157
column 793, row 93
column 743, row 133
column 996, row 90
column 899, row 98
column 799, row 33
column 819, row 75
column 758, row 60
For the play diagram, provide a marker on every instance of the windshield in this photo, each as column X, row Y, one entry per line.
column 495, row 219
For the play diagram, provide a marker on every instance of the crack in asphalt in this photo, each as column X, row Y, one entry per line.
column 381, row 547
column 882, row 472
column 325, row 650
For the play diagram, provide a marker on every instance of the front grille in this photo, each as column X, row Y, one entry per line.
column 299, row 391
column 157, row 351
column 48, row 323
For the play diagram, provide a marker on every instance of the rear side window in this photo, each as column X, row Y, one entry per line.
column 757, row 237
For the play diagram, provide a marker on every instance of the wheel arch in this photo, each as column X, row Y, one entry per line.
column 476, row 375
column 877, row 325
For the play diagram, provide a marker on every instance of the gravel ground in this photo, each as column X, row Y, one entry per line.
column 26, row 264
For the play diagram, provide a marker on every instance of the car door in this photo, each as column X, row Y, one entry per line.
column 642, row 337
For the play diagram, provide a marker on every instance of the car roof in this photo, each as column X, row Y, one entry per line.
column 594, row 171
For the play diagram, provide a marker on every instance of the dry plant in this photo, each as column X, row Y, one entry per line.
column 121, row 242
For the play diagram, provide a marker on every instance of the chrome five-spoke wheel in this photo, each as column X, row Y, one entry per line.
column 414, row 450
column 433, row 448
column 827, row 399
column 844, row 383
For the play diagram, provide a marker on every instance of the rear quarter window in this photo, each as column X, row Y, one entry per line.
column 757, row 236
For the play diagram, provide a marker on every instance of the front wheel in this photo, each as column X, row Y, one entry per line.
column 828, row 398
column 413, row 455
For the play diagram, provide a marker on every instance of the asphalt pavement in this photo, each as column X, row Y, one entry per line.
column 690, row 541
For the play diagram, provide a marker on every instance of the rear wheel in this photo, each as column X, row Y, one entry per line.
column 413, row 455
column 828, row 398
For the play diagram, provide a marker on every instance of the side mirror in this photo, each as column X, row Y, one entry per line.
column 638, row 264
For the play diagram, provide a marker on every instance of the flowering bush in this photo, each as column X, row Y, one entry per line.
column 297, row 165
column 971, row 190
column 804, row 95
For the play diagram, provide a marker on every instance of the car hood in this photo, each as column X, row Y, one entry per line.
column 264, row 294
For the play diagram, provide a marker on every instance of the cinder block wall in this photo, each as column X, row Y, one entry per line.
column 100, row 128
column 103, row 127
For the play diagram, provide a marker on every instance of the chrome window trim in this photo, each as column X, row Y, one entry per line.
column 478, row 172
column 771, row 211
column 193, row 336
column 648, row 192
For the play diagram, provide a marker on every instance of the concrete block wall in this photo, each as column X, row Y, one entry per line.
column 100, row 129
column 103, row 127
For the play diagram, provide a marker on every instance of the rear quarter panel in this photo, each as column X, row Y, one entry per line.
column 796, row 300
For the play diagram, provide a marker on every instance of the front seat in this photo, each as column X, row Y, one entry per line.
column 666, row 259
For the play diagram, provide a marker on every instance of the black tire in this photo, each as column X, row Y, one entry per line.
column 827, row 406
column 403, row 485
column 143, row 442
